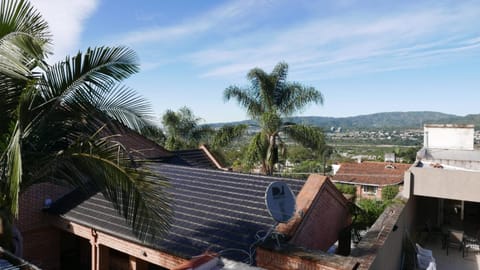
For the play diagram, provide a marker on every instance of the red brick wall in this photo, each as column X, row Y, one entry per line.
column 295, row 261
column 364, row 195
column 359, row 191
column 31, row 202
column 41, row 242
column 327, row 216
column 42, row 247
column 145, row 254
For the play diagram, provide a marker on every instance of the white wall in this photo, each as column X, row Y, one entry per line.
column 449, row 136
column 447, row 184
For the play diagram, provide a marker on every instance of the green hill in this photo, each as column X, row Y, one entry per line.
column 380, row 120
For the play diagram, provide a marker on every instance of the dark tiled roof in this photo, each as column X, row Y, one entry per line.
column 193, row 157
column 212, row 209
column 138, row 146
column 142, row 148
column 372, row 173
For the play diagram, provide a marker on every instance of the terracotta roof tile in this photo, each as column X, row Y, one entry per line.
column 372, row 173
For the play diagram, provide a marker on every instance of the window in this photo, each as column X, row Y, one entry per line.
column 369, row 189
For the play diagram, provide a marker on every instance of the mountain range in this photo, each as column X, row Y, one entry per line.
column 414, row 119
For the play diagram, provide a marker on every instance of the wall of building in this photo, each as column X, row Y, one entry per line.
column 297, row 259
column 392, row 230
column 40, row 240
column 448, row 184
column 42, row 247
column 101, row 243
column 449, row 136
column 328, row 216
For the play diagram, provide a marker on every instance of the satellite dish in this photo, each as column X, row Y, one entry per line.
column 280, row 201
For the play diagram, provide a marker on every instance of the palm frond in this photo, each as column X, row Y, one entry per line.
column 12, row 179
column 10, row 91
column 24, row 38
column 270, row 122
column 295, row 97
column 154, row 133
column 308, row 136
column 246, row 99
column 201, row 134
column 80, row 96
column 170, row 120
column 138, row 194
column 280, row 71
column 123, row 105
column 279, row 76
column 228, row 133
column 263, row 87
column 256, row 150
column 184, row 129
column 89, row 73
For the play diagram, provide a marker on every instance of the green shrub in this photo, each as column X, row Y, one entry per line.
column 389, row 192
column 370, row 211
column 346, row 188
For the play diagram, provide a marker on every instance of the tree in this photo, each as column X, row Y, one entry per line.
column 408, row 155
column 183, row 130
column 371, row 210
column 58, row 124
column 389, row 192
column 270, row 98
column 346, row 188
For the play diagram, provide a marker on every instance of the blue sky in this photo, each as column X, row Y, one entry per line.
column 364, row 56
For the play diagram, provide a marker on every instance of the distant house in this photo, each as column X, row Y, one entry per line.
column 214, row 210
column 370, row 178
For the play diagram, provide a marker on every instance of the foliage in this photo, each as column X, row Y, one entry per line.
column 58, row 124
column 346, row 188
column 408, row 155
column 389, row 192
column 154, row 133
column 370, row 211
column 269, row 99
column 183, row 130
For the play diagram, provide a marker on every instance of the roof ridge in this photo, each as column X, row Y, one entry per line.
column 231, row 173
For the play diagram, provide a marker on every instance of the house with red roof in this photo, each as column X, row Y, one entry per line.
column 370, row 178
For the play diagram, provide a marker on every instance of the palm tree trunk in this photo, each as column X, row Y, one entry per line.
column 272, row 154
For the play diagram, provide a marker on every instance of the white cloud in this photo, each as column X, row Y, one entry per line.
column 214, row 19
column 389, row 42
column 66, row 21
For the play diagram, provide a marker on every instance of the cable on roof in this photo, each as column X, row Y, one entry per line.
column 251, row 250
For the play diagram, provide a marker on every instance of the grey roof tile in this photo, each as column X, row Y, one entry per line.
column 212, row 209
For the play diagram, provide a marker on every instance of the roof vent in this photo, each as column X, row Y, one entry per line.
column 390, row 166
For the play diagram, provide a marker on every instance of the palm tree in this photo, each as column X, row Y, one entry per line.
column 183, row 129
column 269, row 99
column 57, row 125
